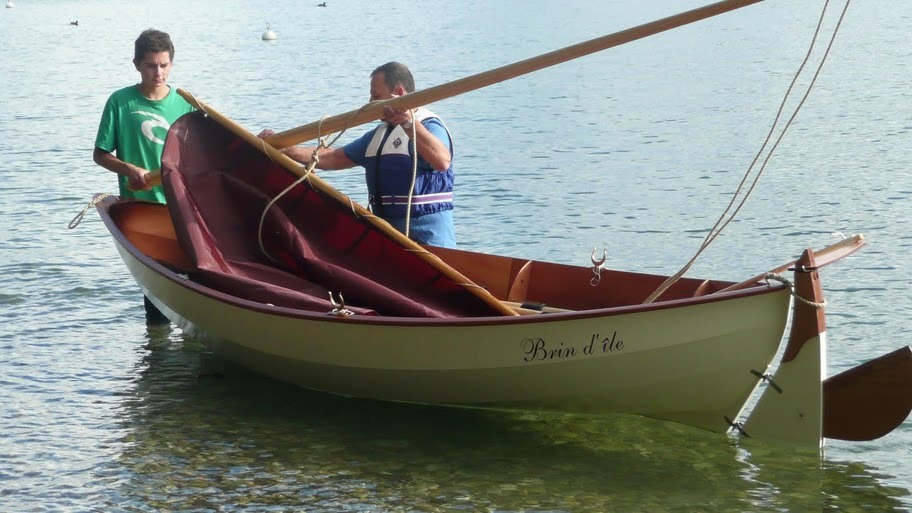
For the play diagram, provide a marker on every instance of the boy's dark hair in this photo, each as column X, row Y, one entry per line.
column 396, row 73
column 154, row 41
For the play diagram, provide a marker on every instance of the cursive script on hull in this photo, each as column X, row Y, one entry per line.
column 538, row 349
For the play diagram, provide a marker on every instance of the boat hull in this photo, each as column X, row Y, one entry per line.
column 689, row 363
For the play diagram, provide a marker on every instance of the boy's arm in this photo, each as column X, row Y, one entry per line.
column 135, row 174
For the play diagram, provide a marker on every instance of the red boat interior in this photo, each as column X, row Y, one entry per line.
column 540, row 286
column 311, row 245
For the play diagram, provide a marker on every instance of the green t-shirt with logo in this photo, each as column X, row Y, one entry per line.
column 134, row 127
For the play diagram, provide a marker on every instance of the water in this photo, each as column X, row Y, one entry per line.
column 637, row 150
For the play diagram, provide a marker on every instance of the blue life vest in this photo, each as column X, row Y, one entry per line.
column 388, row 173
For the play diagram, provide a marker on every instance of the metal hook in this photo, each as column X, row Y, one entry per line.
column 339, row 307
column 597, row 267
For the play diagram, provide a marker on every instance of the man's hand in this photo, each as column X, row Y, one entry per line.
column 395, row 116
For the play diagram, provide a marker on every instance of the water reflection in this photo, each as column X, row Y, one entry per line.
column 783, row 480
column 201, row 442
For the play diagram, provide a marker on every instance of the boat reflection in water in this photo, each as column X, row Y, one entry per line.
column 220, row 442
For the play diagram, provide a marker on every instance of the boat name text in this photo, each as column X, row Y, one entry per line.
column 537, row 349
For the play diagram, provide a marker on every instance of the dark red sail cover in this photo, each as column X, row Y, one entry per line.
column 217, row 187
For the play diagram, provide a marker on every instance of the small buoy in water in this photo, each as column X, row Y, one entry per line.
column 269, row 35
column 10, row 4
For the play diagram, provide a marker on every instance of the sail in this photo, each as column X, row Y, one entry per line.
column 218, row 186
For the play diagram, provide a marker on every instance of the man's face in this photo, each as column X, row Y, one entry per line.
column 381, row 91
column 154, row 68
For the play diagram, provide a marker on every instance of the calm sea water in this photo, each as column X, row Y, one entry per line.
column 636, row 150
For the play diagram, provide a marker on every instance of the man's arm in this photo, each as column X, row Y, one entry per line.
column 430, row 147
column 329, row 158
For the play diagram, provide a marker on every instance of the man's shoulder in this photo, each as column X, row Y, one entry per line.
column 426, row 114
column 436, row 126
column 431, row 120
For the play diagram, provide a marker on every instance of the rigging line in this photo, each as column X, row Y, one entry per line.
column 314, row 159
column 408, row 207
column 788, row 123
column 720, row 225
column 772, row 129
column 273, row 201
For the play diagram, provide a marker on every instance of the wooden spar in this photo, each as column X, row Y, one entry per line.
column 373, row 111
column 381, row 225
column 825, row 256
column 154, row 178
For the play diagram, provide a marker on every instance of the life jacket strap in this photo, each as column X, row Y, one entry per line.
column 422, row 199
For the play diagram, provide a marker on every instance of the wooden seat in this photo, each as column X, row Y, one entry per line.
column 520, row 286
column 702, row 289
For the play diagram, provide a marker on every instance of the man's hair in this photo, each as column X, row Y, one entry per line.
column 154, row 41
column 396, row 73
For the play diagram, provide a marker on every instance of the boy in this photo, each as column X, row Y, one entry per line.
column 134, row 123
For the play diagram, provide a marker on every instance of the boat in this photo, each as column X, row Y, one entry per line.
column 275, row 270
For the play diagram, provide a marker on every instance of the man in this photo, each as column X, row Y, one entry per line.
column 134, row 123
column 423, row 212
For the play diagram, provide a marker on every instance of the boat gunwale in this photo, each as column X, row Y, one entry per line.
column 103, row 207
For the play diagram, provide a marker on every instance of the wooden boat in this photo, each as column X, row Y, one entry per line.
column 411, row 332
column 281, row 273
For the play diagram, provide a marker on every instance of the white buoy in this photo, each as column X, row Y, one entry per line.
column 10, row 4
column 269, row 35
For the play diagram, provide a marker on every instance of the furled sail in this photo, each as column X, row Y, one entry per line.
column 217, row 187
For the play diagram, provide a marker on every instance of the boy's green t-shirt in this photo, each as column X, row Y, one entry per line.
column 134, row 127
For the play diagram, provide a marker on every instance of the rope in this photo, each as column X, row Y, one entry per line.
column 408, row 206
column 791, row 287
column 722, row 222
column 78, row 219
column 307, row 171
column 314, row 159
